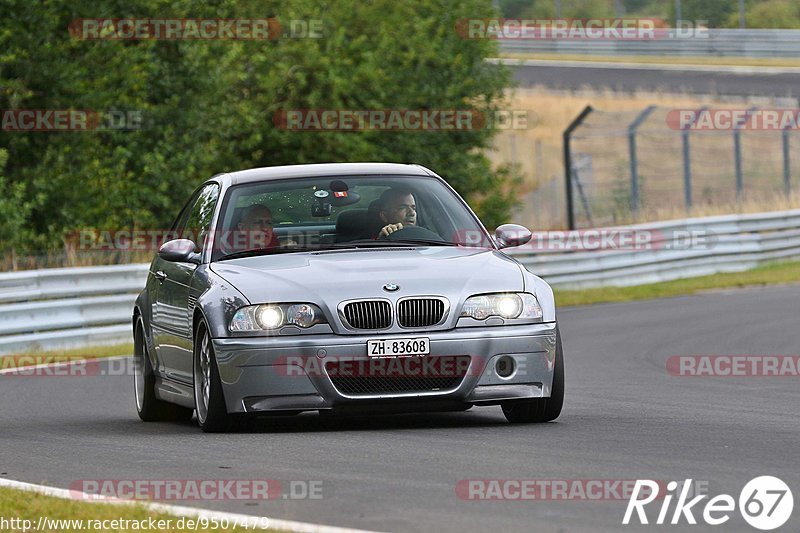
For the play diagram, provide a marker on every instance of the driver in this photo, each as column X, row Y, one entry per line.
column 397, row 210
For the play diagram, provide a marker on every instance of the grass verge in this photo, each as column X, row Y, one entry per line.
column 70, row 515
column 769, row 274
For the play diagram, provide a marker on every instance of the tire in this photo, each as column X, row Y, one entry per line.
column 150, row 408
column 540, row 410
column 212, row 415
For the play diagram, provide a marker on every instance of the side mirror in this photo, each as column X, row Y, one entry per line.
column 510, row 235
column 179, row 251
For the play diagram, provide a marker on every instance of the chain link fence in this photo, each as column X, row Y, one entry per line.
column 658, row 163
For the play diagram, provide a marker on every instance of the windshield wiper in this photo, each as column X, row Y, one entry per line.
column 266, row 251
column 339, row 246
column 426, row 242
column 287, row 250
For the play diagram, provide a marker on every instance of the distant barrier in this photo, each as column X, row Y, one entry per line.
column 718, row 43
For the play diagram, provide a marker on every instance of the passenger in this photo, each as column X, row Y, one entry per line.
column 256, row 228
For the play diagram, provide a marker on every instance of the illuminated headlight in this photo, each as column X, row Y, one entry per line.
column 269, row 316
column 266, row 317
column 505, row 305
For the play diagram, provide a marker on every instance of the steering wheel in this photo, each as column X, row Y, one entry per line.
column 412, row 233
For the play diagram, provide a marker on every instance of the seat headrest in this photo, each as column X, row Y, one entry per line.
column 352, row 224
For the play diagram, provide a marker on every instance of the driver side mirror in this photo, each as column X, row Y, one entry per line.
column 510, row 235
column 179, row 251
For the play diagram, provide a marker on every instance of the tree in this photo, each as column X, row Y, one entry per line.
column 13, row 213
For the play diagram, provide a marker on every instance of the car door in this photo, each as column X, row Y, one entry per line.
column 174, row 302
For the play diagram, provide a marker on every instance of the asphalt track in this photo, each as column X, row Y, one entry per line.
column 625, row 417
column 662, row 80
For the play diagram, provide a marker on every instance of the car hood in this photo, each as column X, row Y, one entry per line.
column 329, row 277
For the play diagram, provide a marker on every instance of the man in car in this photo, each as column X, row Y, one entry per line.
column 398, row 210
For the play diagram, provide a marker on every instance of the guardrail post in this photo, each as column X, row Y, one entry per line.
column 787, row 163
column 568, row 163
column 632, row 153
column 737, row 154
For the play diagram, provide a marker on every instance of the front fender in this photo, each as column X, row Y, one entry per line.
column 543, row 292
column 218, row 302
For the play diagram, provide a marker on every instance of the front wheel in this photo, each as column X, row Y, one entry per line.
column 540, row 409
column 212, row 415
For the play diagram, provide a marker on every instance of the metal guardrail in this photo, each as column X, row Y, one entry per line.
column 68, row 307
column 731, row 243
column 65, row 307
column 718, row 43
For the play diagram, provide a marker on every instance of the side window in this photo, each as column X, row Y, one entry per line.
column 195, row 226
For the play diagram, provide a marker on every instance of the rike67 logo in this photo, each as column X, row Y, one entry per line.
column 766, row 503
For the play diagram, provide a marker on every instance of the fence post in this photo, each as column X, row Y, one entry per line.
column 687, row 160
column 568, row 163
column 632, row 153
column 737, row 154
column 787, row 163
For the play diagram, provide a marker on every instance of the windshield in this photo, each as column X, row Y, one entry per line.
column 281, row 216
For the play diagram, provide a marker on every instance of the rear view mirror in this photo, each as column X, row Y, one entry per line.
column 510, row 235
column 179, row 251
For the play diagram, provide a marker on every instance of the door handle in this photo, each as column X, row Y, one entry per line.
column 160, row 276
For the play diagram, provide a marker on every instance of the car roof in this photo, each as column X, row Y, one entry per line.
column 321, row 170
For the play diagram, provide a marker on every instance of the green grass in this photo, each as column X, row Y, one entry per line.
column 663, row 60
column 769, row 274
column 30, row 506
column 41, row 357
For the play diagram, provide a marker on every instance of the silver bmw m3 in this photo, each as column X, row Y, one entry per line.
column 364, row 287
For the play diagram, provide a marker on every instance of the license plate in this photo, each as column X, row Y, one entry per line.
column 398, row 347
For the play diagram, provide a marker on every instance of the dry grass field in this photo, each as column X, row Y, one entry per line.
column 538, row 150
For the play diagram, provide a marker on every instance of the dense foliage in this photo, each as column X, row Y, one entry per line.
column 208, row 106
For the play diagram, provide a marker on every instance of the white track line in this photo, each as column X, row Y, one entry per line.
column 733, row 69
column 257, row 521
column 59, row 364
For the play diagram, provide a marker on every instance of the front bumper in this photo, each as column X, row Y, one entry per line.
column 273, row 374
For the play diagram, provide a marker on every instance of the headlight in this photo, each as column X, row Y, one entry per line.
column 267, row 317
column 505, row 305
